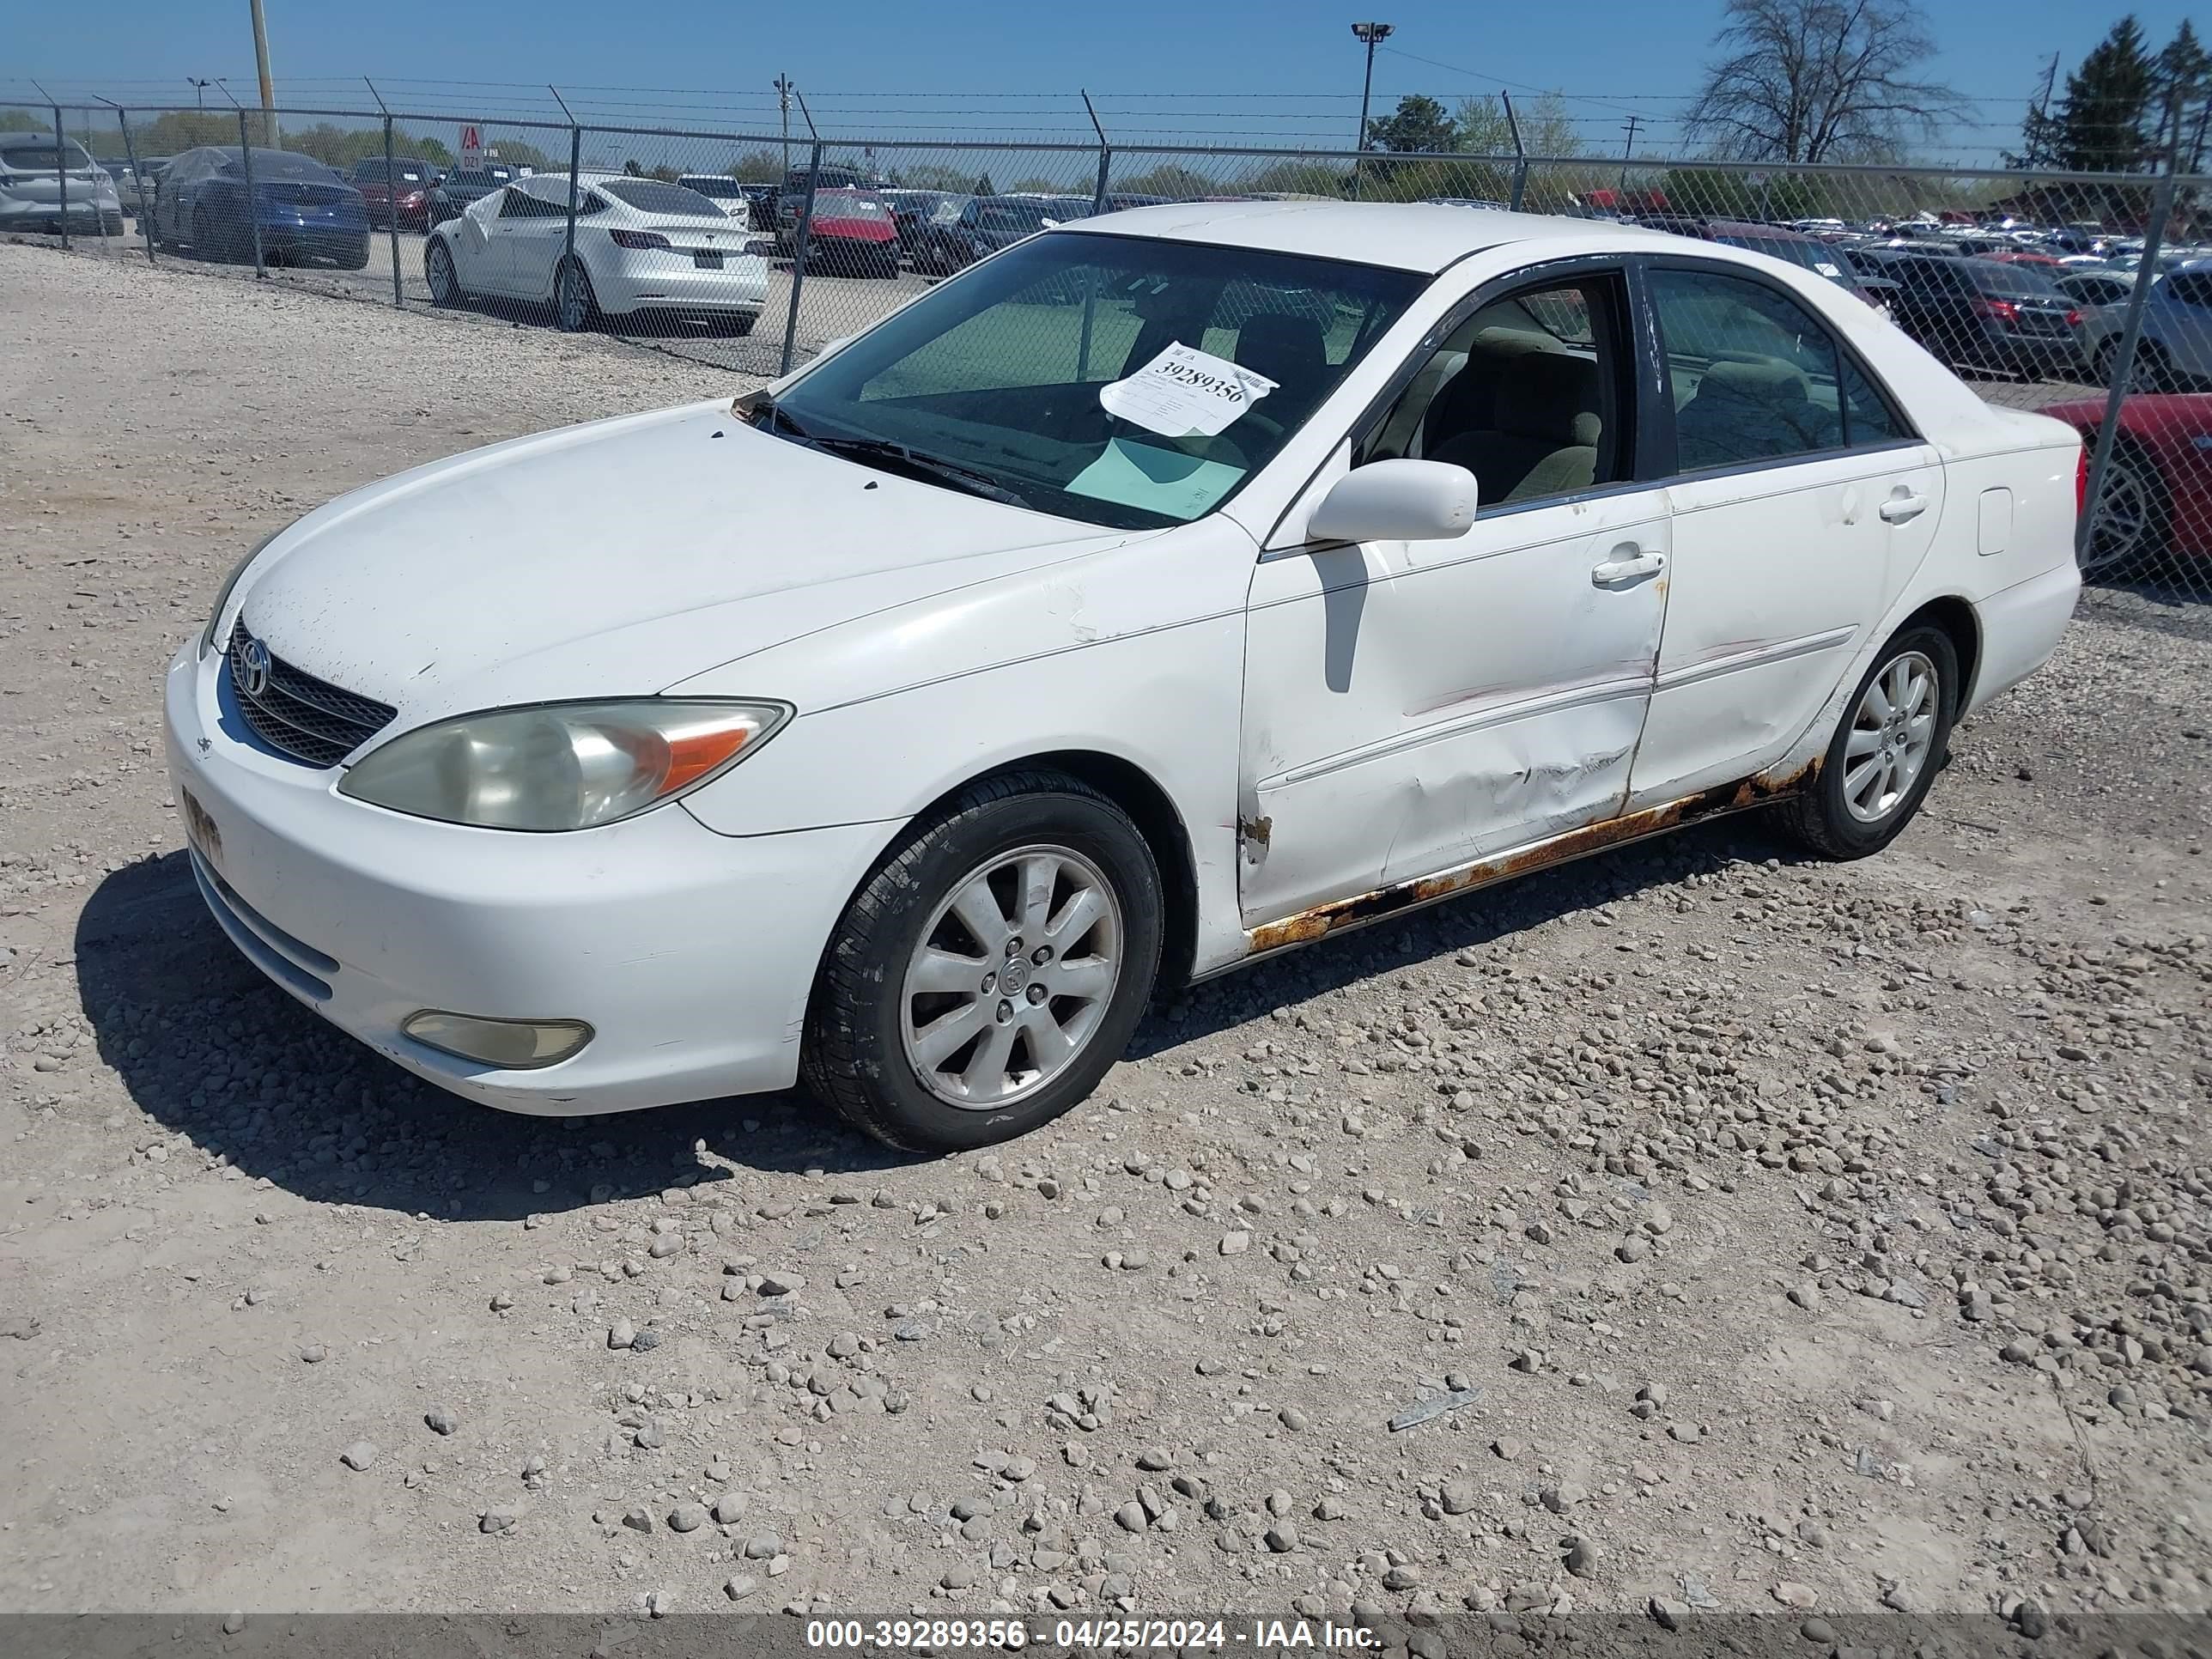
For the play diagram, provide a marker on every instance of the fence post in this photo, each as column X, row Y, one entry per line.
column 392, row 208
column 252, row 201
column 61, row 172
column 799, row 255
column 1105, row 161
column 576, row 191
column 1520, row 153
column 2123, row 355
column 138, row 183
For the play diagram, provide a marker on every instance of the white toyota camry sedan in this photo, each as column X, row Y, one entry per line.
column 1172, row 588
column 641, row 246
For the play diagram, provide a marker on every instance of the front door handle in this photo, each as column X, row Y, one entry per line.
column 1898, row 509
column 1616, row 570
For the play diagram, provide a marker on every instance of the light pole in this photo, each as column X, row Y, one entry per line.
column 1370, row 35
column 261, row 67
column 784, row 88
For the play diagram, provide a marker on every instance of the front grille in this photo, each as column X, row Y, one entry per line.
column 308, row 718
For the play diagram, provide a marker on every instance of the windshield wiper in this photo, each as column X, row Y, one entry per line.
column 883, row 452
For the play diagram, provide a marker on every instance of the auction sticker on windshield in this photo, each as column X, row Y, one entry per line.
column 1184, row 392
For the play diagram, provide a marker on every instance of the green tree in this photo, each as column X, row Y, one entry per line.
column 1170, row 178
column 1298, row 179
column 1419, row 123
column 1546, row 129
column 2104, row 121
column 757, row 166
column 2184, row 71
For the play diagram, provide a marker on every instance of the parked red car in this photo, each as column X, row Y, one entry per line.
column 2157, row 497
column 410, row 184
column 853, row 232
column 2034, row 261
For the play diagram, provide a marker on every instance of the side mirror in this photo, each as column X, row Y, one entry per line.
column 1396, row 502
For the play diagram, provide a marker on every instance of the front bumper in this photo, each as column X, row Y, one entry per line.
column 691, row 954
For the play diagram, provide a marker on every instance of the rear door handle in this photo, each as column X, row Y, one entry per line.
column 1614, row 571
column 1898, row 509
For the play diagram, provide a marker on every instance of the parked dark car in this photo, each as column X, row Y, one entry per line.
column 1118, row 199
column 986, row 223
column 760, row 200
column 459, row 189
column 912, row 208
column 1983, row 314
column 303, row 211
column 407, row 192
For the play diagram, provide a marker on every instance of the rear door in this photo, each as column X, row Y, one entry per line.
column 1802, row 502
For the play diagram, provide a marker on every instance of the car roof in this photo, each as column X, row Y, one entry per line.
column 1410, row 236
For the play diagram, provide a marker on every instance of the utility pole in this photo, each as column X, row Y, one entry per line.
column 261, row 65
column 783, row 91
column 1370, row 35
column 200, row 85
column 1627, row 150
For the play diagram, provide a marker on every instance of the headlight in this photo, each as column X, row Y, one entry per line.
column 562, row 765
column 229, row 584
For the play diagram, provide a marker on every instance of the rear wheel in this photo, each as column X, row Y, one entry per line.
column 995, row 967
column 2150, row 372
column 573, row 305
column 1885, row 753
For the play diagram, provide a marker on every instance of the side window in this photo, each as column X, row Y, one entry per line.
column 2188, row 288
column 1526, row 394
column 515, row 205
column 1755, row 379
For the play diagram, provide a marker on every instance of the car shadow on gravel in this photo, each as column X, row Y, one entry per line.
column 212, row 1052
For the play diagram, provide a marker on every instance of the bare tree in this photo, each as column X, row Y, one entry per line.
column 1820, row 81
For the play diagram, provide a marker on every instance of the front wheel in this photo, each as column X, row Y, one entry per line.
column 993, row 968
column 444, row 283
column 1885, row 753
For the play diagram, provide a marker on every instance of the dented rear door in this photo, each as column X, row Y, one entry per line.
column 1410, row 707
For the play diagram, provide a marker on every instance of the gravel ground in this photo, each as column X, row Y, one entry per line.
column 1693, row 1228
column 830, row 306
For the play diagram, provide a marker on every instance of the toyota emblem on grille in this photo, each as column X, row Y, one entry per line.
column 253, row 668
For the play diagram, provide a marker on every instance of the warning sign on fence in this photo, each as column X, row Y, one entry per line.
column 471, row 145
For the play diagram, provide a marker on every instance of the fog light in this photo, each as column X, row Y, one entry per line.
column 512, row 1045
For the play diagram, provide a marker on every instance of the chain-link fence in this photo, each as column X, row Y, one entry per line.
column 753, row 250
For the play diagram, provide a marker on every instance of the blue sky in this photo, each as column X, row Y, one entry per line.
column 1614, row 56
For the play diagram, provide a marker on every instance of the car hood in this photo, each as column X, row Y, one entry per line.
column 617, row 558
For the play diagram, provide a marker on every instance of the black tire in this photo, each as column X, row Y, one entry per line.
column 2152, row 371
column 854, row 1057
column 574, row 310
column 1819, row 816
column 2134, row 518
column 446, row 292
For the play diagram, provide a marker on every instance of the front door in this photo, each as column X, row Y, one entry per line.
column 1803, row 501
column 1413, row 705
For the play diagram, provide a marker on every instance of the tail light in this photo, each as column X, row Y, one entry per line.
column 2082, row 485
column 2073, row 320
column 2003, row 311
column 640, row 238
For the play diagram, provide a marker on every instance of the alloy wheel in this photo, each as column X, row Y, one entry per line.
column 1011, row 977
column 1891, row 738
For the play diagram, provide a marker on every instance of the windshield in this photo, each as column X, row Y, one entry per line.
column 848, row 205
column 947, row 210
column 1027, row 216
column 1120, row 380
column 651, row 196
column 1990, row 278
column 41, row 156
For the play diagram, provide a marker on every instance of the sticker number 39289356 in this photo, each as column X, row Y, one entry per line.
column 1184, row 392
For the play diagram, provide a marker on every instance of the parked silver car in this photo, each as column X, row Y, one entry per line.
column 32, row 172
